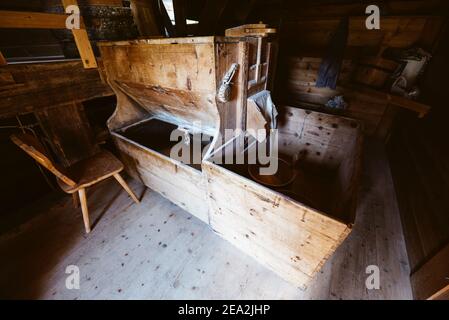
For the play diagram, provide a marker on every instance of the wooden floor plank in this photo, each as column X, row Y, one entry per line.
column 156, row 250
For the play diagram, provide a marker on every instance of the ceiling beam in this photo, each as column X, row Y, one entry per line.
column 31, row 20
column 210, row 17
column 82, row 41
column 180, row 17
column 166, row 19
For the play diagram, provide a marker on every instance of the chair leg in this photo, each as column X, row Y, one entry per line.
column 75, row 200
column 125, row 186
column 83, row 200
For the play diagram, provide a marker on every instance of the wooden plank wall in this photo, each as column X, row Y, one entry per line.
column 419, row 157
column 54, row 92
column 304, row 33
column 48, row 84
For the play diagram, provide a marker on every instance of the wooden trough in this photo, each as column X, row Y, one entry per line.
column 167, row 86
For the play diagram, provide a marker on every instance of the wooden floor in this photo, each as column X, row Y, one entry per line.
column 156, row 250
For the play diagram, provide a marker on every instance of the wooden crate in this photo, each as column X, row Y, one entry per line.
column 293, row 235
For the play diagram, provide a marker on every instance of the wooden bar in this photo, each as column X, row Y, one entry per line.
column 31, row 20
column 431, row 281
column 180, row 17
column 82, row 42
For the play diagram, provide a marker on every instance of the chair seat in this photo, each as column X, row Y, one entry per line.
column 92, row 170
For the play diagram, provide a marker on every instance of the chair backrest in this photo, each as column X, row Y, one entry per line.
column 36, row 150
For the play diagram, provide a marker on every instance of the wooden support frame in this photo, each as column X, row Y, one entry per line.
column 41, row 20
column 82, row 41
column 180, row 17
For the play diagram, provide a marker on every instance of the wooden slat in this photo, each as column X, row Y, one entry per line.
column 431, row 281
column 180, row 17
column 68, row 131
column 31, row 20
column 85, row 48
column 48, row 84
column 82, row 42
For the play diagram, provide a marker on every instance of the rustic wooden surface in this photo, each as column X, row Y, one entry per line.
column 292, row 237
column 68, row 132
column 49, row 84
column 157, row 250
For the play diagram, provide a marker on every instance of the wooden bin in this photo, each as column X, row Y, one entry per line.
column 164, row 84
column 291, row 230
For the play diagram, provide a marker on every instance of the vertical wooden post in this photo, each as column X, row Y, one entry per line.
column 82, row 41
column 147, row 17
column 180, row 17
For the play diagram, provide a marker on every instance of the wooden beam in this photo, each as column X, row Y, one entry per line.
column 82, row 41
column 431, row 281
column 180, row 17
column 31, row 20
column 3, row 61
column 166, row 20
column 147, row 17
column 421, row 109
column 210, row 16
column 26, row 88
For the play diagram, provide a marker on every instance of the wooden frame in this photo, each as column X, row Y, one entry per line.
column 40, row 20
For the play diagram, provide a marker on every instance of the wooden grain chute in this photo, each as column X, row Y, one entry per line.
column 167, row 86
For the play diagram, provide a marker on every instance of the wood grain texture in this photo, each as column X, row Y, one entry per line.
column 179, row 183
column 289, row 237
column 49, row 84
column 68, row 132
column 82, row 41
column 431, row 281
column 187, row 77
column 32, row 20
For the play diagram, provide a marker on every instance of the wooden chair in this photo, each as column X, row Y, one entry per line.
column 79, row 176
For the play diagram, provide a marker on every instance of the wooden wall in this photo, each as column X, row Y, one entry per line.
column 419, row 155
column 305, row 29
column 48, row 96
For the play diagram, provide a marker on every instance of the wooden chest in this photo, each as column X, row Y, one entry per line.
column 170, row 86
